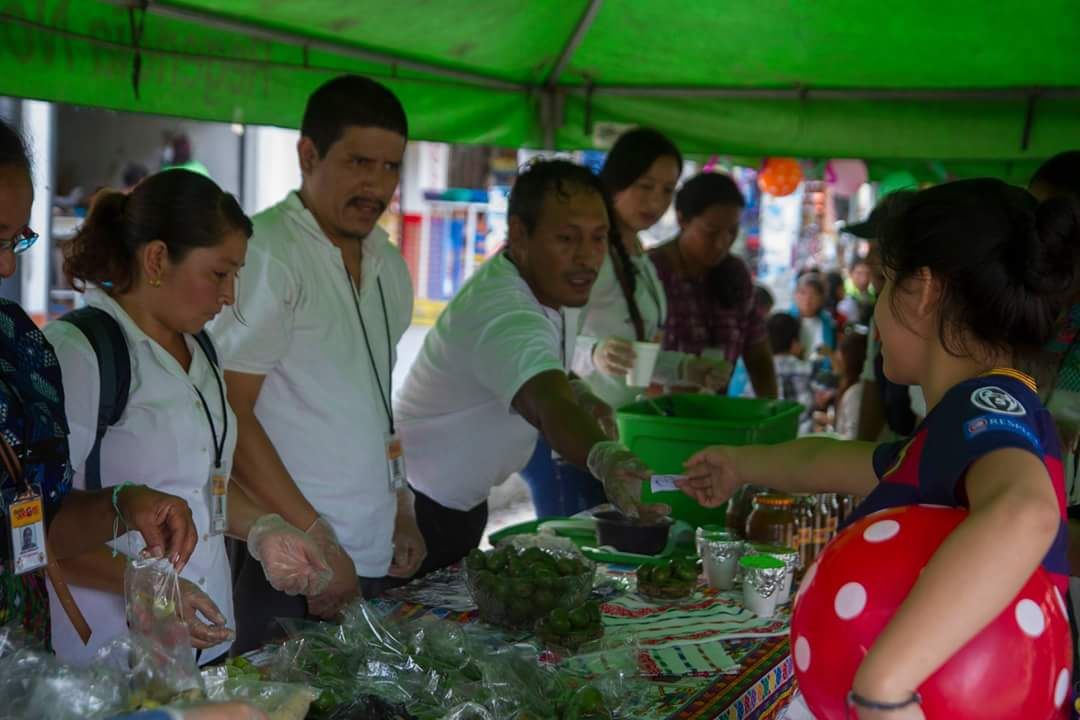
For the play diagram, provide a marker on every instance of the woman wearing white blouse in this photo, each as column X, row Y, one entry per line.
column 165, row 259
column 628, row 302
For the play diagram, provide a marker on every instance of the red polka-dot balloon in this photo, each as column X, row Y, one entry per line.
column 1018, row 667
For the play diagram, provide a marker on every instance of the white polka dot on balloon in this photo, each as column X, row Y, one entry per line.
column 802, row 654
column 881, row 531
column 1030, row 618
column 1061, row 603
column 1061, row 690
column 850, row 601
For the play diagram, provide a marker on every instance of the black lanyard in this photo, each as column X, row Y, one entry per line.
column 384, row 395
column 219, row 449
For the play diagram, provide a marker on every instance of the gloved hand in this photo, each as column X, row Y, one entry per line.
column 344, row 586
column 614, row 356
column 193, row 602
column 621, row 472
column 706, row 372
column 595, row 407
column 293, row 563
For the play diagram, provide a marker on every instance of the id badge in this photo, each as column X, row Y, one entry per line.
column 26, row 520
column 219, row 501
column 395, row 461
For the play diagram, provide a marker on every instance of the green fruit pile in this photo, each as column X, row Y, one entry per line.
column 517, row 587
column 673, row 580
column 571, row 629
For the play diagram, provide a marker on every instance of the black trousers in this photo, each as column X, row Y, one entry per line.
column 448, row 534
column 258, row 606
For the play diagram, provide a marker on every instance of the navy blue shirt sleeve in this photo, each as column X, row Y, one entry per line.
column 973, row 420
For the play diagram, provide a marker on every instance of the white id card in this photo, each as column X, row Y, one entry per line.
column 26, row 519
column 395, row 461
column 665, row 483
column 219, row 500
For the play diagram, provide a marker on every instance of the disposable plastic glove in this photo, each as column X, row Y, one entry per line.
column 621, row 472
column 291, row 559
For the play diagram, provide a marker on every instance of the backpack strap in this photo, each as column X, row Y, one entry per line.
column 114, row 371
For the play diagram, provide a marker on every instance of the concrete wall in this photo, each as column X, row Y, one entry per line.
column 94, row 146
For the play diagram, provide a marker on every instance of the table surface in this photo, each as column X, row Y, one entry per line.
column 761, row 688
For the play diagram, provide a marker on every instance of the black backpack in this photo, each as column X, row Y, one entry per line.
column 114, row 370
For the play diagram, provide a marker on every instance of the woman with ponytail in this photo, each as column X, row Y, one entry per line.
column 157, row 265
column 35, row 477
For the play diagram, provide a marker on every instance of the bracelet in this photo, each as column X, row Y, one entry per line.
column 116, row 508
column 854, row 699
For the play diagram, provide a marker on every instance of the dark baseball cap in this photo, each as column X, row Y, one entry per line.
column 873, row 227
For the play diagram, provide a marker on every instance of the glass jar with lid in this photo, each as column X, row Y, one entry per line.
column 772, row 521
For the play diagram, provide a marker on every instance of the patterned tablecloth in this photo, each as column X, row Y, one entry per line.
column 707, row 658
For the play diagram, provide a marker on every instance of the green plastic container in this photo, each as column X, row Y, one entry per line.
column 666, row 431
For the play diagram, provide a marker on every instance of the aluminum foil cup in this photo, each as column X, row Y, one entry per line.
column 786, row 555
column 762, row 577
column 720, row 551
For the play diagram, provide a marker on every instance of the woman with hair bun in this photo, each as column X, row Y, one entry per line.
column 157, row 265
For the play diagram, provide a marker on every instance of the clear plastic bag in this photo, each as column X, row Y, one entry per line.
column 165, row 663
column 36, row 686
column 280, row 701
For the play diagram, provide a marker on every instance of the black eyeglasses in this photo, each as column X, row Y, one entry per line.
column 20, row 242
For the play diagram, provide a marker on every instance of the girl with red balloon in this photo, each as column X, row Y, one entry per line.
column 944, row 595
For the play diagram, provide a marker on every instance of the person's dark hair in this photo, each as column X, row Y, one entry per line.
column 783, row 331
column 1061, row 173
column 351, row 100
column 183, row 209
column 704, row 190
column 13, row 148
column 853, row 348
column 860, row 260
column 813, row 280
column 835, row 281
column 1006, row 263
column 540, row 177
column 697, row 195
column 763, row 299
column 630, row 158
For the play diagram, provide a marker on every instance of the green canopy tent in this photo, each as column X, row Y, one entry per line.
column 984, row 88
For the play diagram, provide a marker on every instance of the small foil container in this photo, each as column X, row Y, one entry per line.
column 762, row 578
column 720, row 551
column 788, row 556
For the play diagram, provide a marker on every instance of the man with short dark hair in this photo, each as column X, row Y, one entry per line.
column 492, row 373
column 309, row 356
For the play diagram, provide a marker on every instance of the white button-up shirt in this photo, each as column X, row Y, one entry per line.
column 163, row 441
column 320, row 401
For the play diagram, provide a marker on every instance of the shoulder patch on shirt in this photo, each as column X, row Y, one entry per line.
column 993, row 399
column 991, row 423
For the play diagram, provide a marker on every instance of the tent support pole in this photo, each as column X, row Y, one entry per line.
column 1029, row 121
column 212, row 20
column 574, row 41
column 803, row 93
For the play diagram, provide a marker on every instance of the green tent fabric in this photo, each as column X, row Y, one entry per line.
column 980, row 87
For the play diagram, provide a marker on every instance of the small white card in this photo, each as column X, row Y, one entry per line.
column 665, row 483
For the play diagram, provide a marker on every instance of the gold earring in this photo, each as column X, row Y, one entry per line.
column 155, row 283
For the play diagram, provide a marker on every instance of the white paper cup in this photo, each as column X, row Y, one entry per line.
column 644, row 364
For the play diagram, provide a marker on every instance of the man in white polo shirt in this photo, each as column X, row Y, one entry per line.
column 492, row 372
column 322, row 302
